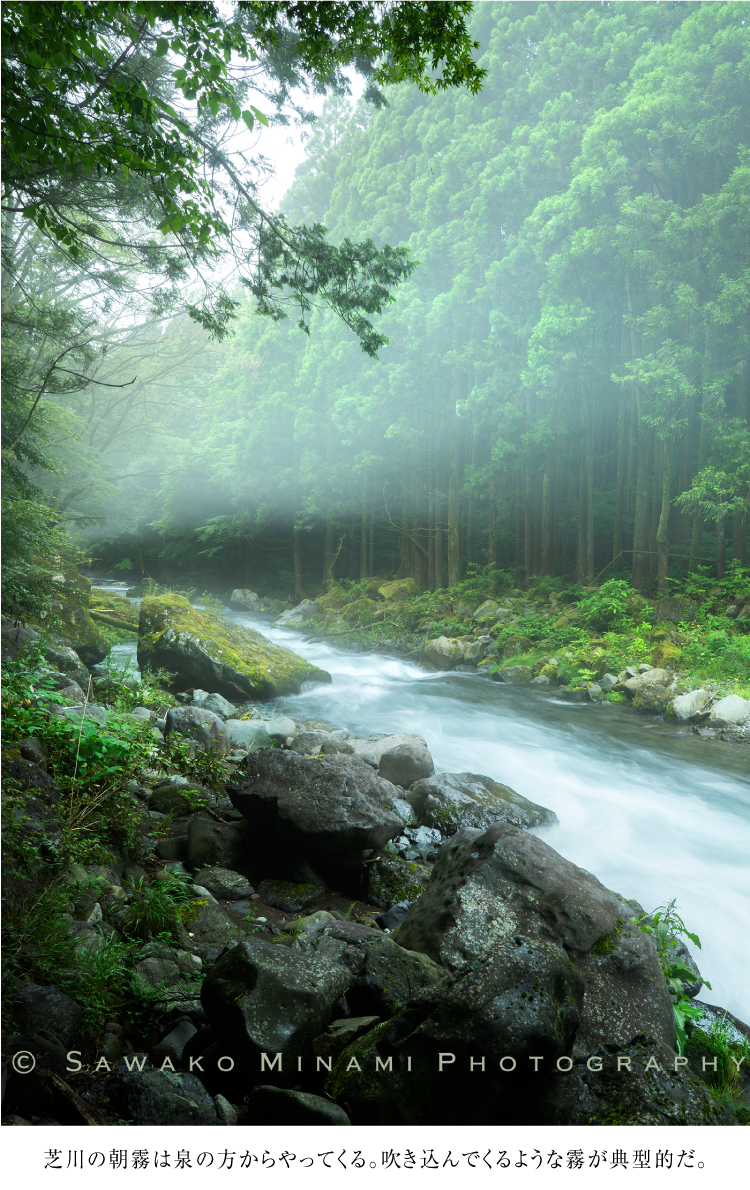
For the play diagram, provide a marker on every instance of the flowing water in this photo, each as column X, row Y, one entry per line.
column 652, row 810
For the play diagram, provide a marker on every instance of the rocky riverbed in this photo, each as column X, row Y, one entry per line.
column 348, row 915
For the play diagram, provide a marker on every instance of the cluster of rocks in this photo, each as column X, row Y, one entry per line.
column 489, row 947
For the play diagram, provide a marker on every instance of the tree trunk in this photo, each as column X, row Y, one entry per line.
column 454, row 485
column 662, row 532
column 721, row 548
column 299, row 590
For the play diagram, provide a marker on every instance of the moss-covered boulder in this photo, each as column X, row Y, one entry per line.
column 73, row 625
column 401, row 589
column 360, row 611
column 114, row 612
column 666, row 655
column 208, row 651
column 394, row 879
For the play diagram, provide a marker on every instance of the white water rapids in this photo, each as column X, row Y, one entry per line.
column 652, row 810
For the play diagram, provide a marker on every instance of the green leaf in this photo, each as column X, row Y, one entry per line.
column 162, row 47
column 259, row 115
column 248, row 118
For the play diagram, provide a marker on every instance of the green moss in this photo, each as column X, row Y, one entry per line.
column 340, row 1077
column 201, row 646
column 607, row 944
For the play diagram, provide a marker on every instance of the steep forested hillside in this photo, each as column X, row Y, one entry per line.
column 565, row 389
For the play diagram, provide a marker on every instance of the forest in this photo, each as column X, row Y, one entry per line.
column 561, row 388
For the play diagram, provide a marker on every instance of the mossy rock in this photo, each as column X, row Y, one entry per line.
column 74, row 626
column 394, row 879
column 666, row 655
column 289, row 897
column 213, row 653
column 180, row 799
column 334, row 598
column 373, row 586
column 401, row 589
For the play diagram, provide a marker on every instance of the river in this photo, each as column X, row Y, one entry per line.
column 652, row 810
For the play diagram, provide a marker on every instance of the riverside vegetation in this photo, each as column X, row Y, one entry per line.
column 146, row 873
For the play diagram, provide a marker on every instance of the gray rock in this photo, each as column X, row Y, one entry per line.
column 203, row 727
column 310, row 743
column 94, row 712
column 243, row 598
column 209, row 927
column 394, row 916
column 65, row 659
column 540, row 681
column 178, row 795
column 288, row 897
column 213, row 702
column 687, row 708
column 492, row 886
column 171, row 849
column 270, row 1105
column 336, row 805
column 595, row 692
column 225, row 1113
column 158, row 1097
column 404, row 810
column 280, row 728
column 224, row 884
column 15, row 638
column 405, row 764
column 729, row 711
column 340, row 1034
column 249, row 735
column 261, row 998
column 487, row 610
column 452, row 801
column 394, row 879
column 514, row 675
column 173, row 1044
column 214, row 845
column 30, row 816
column 33, row 749
column 156, row 971
column 304, row 611
column 607, row 683
column 652, row 677
column 372, row 749
column 674, row 609
column 524, row 999
column 653, row 699
column 48, row 1010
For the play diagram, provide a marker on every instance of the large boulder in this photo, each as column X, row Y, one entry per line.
column 244, row 599
column 75, row 627
column 213, row 653
column 203, row 727
column 729, row 711
column 402, row 590
column 213, row 702
column 452, row 801
column 159, row 1097
column 406, row 764
column 47, row 1009
column 335, row 804
column 447, row 652
column 304, row 611
column 652, row 677
column 675, row 609
column 653, row 698
column 489, row 887
column 374, row 747
column 16, row 638
column 249, row 734
column 687, row 708
column 440, row 1056
column 261, row 998
column 215, row 844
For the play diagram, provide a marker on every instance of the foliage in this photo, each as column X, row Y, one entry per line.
column 666, row 927
column 608, row 606
column 155, row 905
